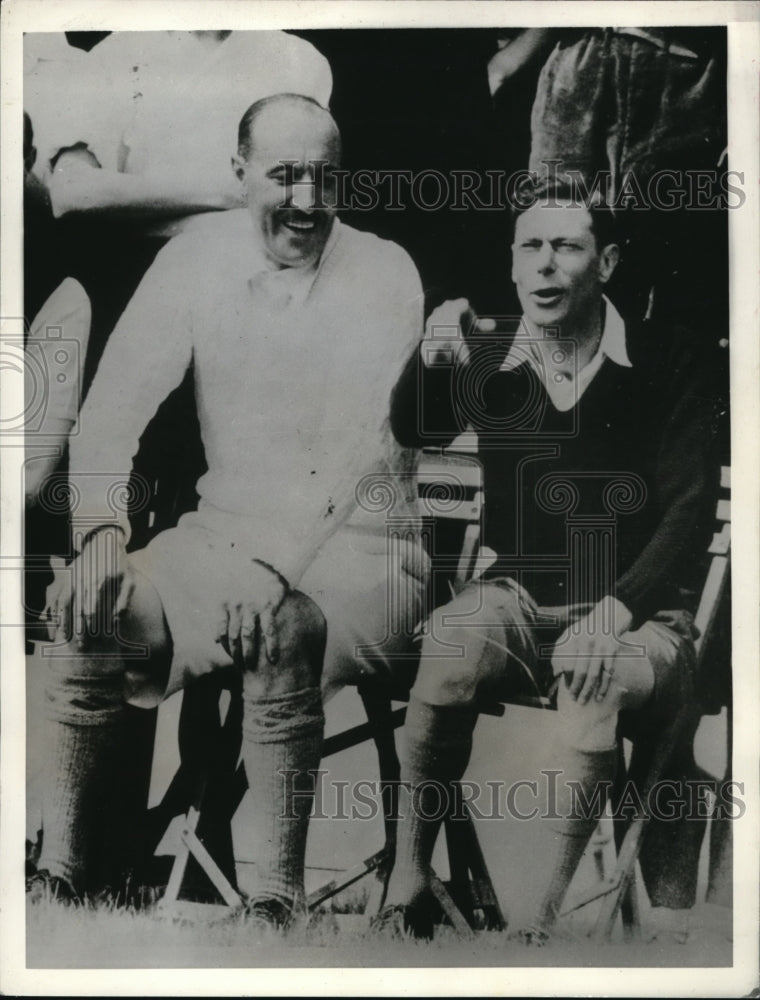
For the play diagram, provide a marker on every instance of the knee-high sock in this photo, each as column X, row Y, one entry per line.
column 282, row 744
column 570, row 834
column 438, row 743
column 84, row 729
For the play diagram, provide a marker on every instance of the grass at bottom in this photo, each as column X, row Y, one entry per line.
column 103, row 935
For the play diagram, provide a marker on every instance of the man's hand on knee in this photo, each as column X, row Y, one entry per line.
column 585, row 653
column 248, row 617
column 87, row 599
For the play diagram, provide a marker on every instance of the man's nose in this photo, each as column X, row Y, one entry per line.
column 546, row 262
column 304, row 195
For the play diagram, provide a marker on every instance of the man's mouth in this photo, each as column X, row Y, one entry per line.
column 547, row 296
column 300, row 224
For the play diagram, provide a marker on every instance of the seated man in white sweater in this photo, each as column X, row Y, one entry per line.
column 296, row 328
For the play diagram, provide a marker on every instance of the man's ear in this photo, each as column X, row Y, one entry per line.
column 238, row 168
column 608, row 261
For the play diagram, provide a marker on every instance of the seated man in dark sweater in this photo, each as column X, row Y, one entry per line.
column 595, row 444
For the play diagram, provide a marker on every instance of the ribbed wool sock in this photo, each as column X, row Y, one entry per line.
column 438, row 743
column 572, row 832
column 85, row 727
column 282, row 747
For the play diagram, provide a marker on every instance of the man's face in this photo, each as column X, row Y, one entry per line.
column 557, row 267
column 288, row 183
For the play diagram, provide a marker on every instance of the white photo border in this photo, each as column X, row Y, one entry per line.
column 743, row 21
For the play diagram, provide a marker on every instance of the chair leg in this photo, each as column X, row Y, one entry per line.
column 629, row 911
column 493, row 914
column 377, row 705
column 470, row 882
column 449, row 907
column 358, row 871
column 458, row 851
column 624, row 872
column 181, row 858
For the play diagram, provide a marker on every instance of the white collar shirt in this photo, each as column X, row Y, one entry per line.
column 565, row 392
column 293, row 372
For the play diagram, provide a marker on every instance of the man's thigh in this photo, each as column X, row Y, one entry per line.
column 667, row 643
column 192, row 570
column 482, row 644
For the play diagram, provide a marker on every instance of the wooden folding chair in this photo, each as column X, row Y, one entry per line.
column 451, row 494
column 469, row 889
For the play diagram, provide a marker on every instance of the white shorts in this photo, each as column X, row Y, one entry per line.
column 371, row 592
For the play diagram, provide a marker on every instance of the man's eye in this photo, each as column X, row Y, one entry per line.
column 530, row 246
column 569, row 247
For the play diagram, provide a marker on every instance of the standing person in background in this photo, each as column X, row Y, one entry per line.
column 635, row 102
column 134, row 156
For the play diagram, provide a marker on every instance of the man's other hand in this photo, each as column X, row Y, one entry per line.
column 444, row 342
column 248, row 617
column 87, row 598
column 586, row 651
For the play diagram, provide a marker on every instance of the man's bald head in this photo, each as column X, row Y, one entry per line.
column 289, row 151
column 276, row 116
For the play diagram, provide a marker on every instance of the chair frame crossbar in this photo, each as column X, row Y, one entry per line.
column 467, row 899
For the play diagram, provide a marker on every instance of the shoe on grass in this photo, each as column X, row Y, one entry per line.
column 667, row 926
column 267, row 915
column 42, row 886
column 530, row 937
column 402, row 921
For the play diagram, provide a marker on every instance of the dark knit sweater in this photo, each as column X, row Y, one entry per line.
column 614, row 496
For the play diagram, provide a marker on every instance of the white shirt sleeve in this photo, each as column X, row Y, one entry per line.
column 71, row 100
column 263, row 63
column 54, row 361
column 146, row 357
column 58, row 343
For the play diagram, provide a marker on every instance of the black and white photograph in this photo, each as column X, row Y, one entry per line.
column 379, row 382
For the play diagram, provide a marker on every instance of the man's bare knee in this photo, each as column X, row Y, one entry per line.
column 143, row 621
column 302, row 634
column 98, row 647
column 457, row 656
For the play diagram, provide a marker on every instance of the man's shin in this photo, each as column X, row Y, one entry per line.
column 437, row 742
column 282, row 748
column 84, row 716
column 581, row 794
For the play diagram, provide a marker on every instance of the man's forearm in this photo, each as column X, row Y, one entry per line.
column 89, row 189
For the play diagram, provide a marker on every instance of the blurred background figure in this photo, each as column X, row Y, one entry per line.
column 636, row 102
column 138, row 134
